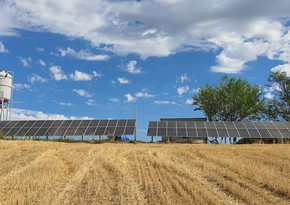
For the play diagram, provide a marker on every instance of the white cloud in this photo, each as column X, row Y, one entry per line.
column 143, row 94
column 57, row 74
column 114, row 100
column 66, row 104
column 22, row 114
column 36, row 78
column 183, row 78
column 96, row 74
column 269, row 96
column 2, row 48
column 81, row 76
column 282, row 68
column 91, row 102
column 239, row 31
column 132, row 68
column 189, row 101
column 82, row 54
column 41, row 62
column 26, row 62
column 183, row 89
column 82, row 92
column 195, row 90
column 19, row 86
column 164, row 102
column 123, row 81
column 130, row 98
column 39, row 49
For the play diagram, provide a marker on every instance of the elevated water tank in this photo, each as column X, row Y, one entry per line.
column 5, row 86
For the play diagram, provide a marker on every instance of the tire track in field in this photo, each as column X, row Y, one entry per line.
column 231, row 178
column 15, row 184
column 67, row 193
column 271, row 190
column 12, row 161
column 151, row 182
column 193, row 182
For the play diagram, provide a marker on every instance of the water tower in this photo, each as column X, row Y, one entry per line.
column 6, row 83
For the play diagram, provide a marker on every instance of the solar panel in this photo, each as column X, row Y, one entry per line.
column 182, row 132
column 285, row 133
column 265, row 133
column 122, row 123
column 219, row 129
column 190, row 124
column 199, row 124
column 212, row 133
column 192, row 132
column 131, row 123
column 287, row 125
column 171, row 131
column 201, row 132
column 162, row 131
column 222, row 132
column 67, row 127
column 233, row 133
column 171, row 124
column 254, row 133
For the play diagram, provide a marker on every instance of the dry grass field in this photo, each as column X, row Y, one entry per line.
column 37, row 172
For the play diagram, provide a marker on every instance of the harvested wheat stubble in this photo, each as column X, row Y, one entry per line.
column 34, row 172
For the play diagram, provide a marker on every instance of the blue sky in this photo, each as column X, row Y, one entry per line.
column 102, row 58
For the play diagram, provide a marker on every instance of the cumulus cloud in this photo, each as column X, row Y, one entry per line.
column 39, row 49
column 91, row 102
column 123, row 80
column 141, row 94
column 82, row 92
column 239, row 31
column 36, row 78
column 57, row 74
column 132, row 68
column 183, row 89
column 164, row 102
column 269, row 96
column 19, row 86
column 130, row 98
column 26, row 62
column 2, row 48
column 183, row 78
column 282, row 68
column 22, row 114
column 66, row 104
column 81, row 76
column 114, row 100
column 41, row 62
column 189, row 101
column 82, row 54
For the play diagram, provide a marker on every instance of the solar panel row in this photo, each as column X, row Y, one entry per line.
column 219, row 129
column 67, row 127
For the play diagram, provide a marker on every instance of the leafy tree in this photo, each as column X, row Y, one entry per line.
column 278, row 108
column 231, row 100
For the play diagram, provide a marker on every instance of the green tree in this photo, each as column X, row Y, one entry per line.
column 231, row 100
column 278, row 108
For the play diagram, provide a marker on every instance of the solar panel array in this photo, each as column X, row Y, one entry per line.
column 67, row 127
column 197, row 129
